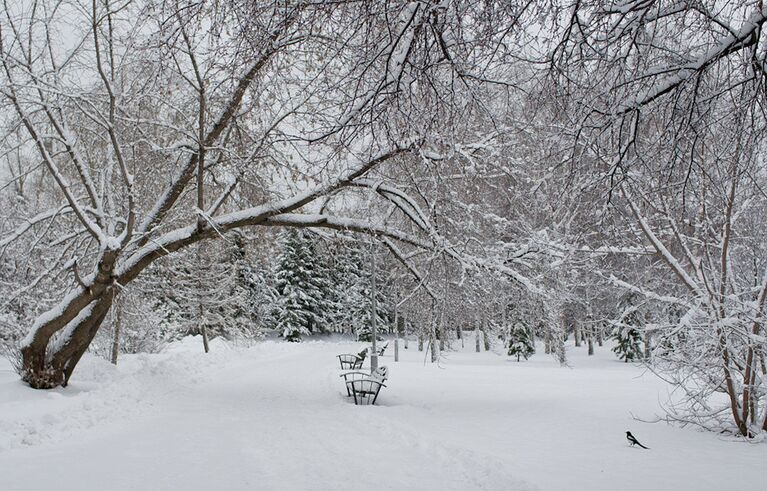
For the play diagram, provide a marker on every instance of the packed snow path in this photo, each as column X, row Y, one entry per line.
column 275, row 417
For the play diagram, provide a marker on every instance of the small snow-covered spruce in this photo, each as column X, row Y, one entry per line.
column 629, row 343
column 521, row 342
column 627, row 332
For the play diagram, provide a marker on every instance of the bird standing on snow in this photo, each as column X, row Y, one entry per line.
column 633, row 441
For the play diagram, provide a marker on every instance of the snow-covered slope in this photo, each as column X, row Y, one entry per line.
column 275, row 416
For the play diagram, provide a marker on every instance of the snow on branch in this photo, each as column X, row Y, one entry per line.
column 355, row 225
column 669, row 258
column 179, row 182
column 395, row 53
column 406, row 203
column 410, row 267
column 649, row 294
column 28, row 224
column 747, row 35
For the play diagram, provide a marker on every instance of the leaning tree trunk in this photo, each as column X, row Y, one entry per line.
column 49, row 362
column 44, row 368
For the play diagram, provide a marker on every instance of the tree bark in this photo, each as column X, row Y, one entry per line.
column 647, row 345
column 599, row 335
column 404, row 328
column 485, row 337
column 504, row 325
column 577, row 333
column 396, row 335
column 118, row 327
column 201, row 321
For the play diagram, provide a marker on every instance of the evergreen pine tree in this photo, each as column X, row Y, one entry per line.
column 349, row 296
column 261, row 296
column 302, row 286
column 521, row 342
column 627, row 333
column 238, row 311
column 344, row 295
column 629, row 343
column 361, row 305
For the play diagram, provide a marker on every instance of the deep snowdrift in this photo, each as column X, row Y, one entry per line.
column 274, row 416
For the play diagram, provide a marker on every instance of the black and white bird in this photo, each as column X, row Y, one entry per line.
column 633, row 441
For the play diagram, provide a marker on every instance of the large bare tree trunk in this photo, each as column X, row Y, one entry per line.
column 42, row 371
column 78, row 318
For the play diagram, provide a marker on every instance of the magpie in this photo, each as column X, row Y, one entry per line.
column 633, row 441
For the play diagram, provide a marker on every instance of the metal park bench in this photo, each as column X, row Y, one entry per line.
column 363, row 386
column 352, row 362
column 380, row 349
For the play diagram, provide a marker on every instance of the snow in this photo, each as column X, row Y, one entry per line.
column 51, row 314
column 275, row 416
column 731, row 42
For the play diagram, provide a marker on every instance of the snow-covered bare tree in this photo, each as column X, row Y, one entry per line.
column 674, row 122
column 160, row 124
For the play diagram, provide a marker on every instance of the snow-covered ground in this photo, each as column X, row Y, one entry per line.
column 275, row 416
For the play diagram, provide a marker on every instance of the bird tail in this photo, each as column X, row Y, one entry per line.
column 646, row 448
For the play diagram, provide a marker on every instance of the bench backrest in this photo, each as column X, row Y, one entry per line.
column 380, row 374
